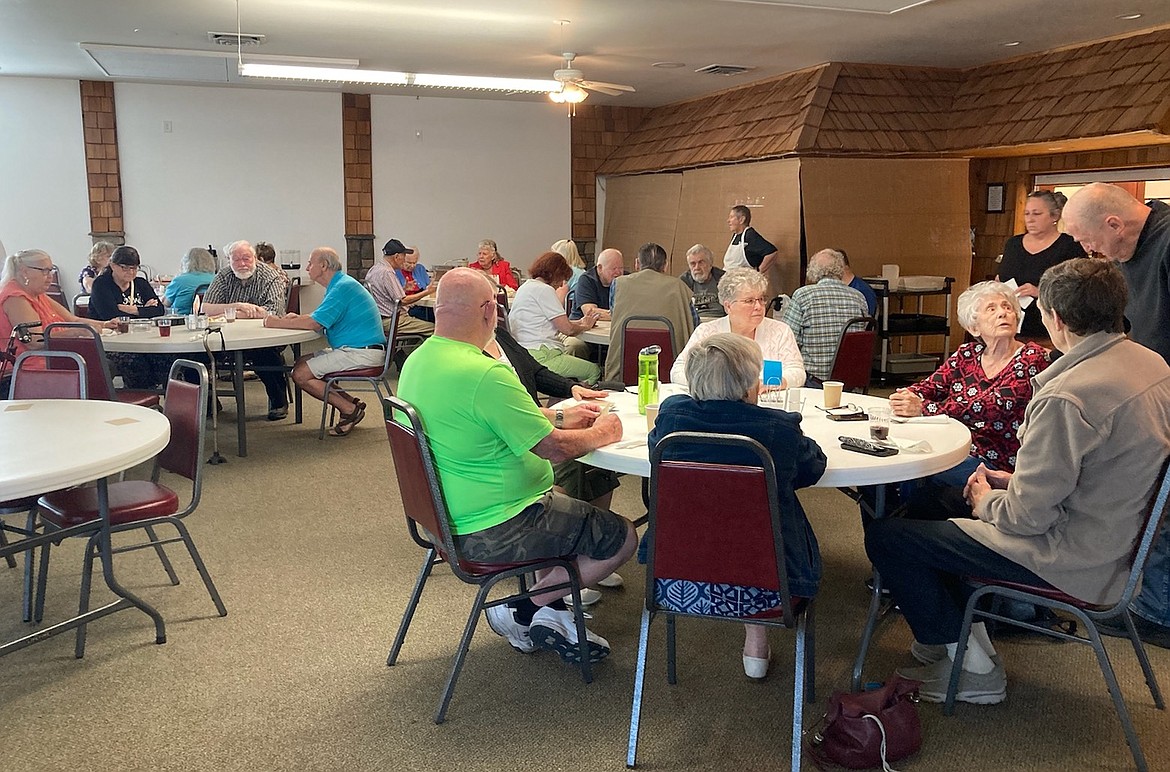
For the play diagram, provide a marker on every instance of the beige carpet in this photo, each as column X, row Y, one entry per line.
column 306, row 542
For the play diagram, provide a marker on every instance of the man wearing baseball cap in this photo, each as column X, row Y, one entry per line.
column 383, row 284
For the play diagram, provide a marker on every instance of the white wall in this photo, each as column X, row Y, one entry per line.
column 450, row 172
column 44, row 203
column 238, row 164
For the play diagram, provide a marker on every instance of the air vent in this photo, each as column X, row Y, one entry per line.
column 723, row 69
column 232, row 39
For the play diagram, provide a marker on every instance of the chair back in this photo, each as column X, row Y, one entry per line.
column 185, row 408
column 734, row 538
column 292, row 302
column 853, row 362
column 634, row 339
column 85, row 341
column 418, row 482
column 48, row 383
column 197, row 295
column 501, row 314
column 1153, row 528
column 502, row 297
column 81, row 309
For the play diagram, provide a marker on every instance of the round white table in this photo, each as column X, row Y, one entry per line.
column 598, row 334
column 49, row 444
column 239, row 336
column 950, row 443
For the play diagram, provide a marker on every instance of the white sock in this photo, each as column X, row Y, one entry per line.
column 975, row 660
column 979, row 633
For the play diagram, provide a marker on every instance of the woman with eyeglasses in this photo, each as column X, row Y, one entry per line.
column 744, row 295
column 120, row 291
column 27, row 275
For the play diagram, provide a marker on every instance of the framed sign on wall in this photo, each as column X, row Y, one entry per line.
column 996, row 192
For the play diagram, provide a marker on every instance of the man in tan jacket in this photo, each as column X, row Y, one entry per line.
column 1094, row 442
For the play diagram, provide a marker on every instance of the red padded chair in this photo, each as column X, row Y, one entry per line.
column 143, row 503
column 853, row 362
column 636, row 338
column 37, row 384
column 741, row 543
column 81, row 309
column 374, row 378
column 427, row 521
column 86, row 341
column 1086, row 614
column 292, row 301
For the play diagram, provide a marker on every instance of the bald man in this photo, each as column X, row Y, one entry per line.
column 492, row 446
column 349, row 318
column 1107, row 220
column 592, row 293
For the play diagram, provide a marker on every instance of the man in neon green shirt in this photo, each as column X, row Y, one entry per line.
column 492, row 447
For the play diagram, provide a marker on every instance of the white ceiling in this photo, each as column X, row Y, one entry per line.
column 617, row 40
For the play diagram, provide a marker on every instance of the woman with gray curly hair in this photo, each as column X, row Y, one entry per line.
column 723, row 371
column 744, row 295
column 985, row 384
column 196, row 269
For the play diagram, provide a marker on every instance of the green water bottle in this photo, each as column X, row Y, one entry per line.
column 648, row 377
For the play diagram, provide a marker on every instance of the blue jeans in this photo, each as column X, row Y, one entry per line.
column 1153, row 602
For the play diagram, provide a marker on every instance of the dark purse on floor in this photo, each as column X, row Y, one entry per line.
column 870, row 729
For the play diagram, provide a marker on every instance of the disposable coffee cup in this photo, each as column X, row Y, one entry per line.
column 833, row 393
column 651, row 417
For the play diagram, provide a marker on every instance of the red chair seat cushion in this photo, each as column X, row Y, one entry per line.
column 130, row 501
column 364, row 372
column 137, row 397
column 477, row 569
column 12, row 506
column 1048, row 593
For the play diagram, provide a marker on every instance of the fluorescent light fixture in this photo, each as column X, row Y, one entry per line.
column 390, row 78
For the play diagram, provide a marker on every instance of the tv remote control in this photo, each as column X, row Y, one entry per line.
column 859, row 445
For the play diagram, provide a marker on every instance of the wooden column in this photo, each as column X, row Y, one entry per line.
column 101, row 161
column 595, row 132
column 359, row 184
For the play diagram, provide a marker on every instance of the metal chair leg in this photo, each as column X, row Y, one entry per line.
column 810, row 664
column 1131, row 737
column 461, row 654
column 199, row 566
column 798, row 691
column 671, row 671
column 9, row 559
column 42, row 580
column 415, row 595
column 871, row 622
column 162, row 555
column 579, row 623
column 83, row 601
column 639, row 682
column 1144, row 661
column 961, row 652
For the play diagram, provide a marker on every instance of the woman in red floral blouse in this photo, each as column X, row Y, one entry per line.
column 985, row 384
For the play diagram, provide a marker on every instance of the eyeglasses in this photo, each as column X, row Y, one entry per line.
column 45, row 271
column 131, row 268
column 752, row 301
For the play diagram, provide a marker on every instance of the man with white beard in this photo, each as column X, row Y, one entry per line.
column 255, row 291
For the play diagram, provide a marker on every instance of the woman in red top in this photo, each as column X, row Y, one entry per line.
column 985, row 384
column 489, row 261
column 27, row 275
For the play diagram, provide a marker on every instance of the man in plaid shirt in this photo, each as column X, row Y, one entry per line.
column 818, row 311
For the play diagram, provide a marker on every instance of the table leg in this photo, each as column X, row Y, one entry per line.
column 296, row 350
column 876, row 610
column 241, row 418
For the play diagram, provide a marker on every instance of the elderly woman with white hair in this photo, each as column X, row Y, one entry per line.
column 985, row 384
column 196, row 269
column 724, row 375
column 744, row 295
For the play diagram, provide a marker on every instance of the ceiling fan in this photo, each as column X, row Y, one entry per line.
column 574, row 86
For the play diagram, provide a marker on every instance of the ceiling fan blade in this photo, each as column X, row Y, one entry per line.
column 612, row 89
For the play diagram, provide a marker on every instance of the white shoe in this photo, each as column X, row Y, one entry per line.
column 756, row 667
column 613, row 580
column 589, row 596
column 557, row 630
column 977, row 688
column 502, row 622
column 928, row 654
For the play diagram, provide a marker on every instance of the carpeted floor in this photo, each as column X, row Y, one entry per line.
column 306, row 542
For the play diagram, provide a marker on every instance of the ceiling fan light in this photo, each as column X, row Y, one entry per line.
column 557, row 96
column 573, row 93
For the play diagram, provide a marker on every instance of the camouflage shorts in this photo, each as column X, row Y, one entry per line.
column 554, row 526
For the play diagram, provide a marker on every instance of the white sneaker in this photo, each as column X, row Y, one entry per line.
column 503, row 623
column 977, row 688
column 928, row 654
column 589, row 596
column 557, row 630
column 611, row 581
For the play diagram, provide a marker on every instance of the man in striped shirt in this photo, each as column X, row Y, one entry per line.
column 255, row 291
column 818, row 311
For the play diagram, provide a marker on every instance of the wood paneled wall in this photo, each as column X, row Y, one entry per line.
column 101, row 161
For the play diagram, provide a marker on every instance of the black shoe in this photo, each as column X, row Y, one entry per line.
column 278, row 413
column 1150, row 632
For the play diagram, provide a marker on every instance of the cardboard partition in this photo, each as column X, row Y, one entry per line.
column 912, row 212
column 771, row 189
column 638, row 210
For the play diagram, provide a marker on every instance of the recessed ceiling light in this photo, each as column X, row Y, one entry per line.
column 1010, row 43
column 668, row 65
column 1129, row 16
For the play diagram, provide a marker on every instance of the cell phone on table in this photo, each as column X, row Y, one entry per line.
column 858, row 416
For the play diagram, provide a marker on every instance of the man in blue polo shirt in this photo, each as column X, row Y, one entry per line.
column 349, row 318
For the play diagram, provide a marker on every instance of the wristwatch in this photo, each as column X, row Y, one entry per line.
column 559, row 418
